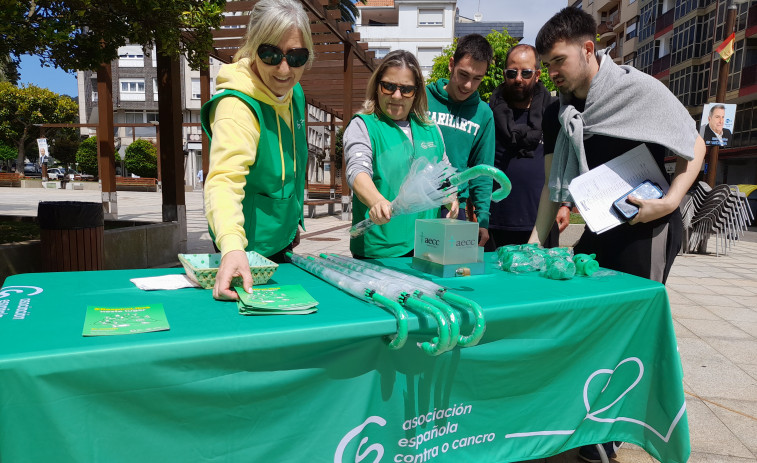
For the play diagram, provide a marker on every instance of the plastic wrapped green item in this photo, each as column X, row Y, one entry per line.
column 560, row 267
column 521, row 258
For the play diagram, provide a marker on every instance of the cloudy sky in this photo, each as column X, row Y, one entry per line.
column 533, row 13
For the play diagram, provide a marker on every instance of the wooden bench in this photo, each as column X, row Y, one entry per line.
column 323, row 191
column 312, row 203
column 319, row 194
column 10, row 179
column 136, row 184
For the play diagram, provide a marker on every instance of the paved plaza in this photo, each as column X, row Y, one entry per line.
column 713, row 300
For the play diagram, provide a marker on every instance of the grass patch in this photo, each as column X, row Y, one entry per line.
column 576, row 218
column 16, row 231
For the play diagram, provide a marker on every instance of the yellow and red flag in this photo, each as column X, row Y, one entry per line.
column 725, row 50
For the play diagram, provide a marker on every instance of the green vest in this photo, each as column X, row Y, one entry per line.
column 272, row 208
column 393, row 154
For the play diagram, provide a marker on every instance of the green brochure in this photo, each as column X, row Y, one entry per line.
column 276, row 300
column 101, row 321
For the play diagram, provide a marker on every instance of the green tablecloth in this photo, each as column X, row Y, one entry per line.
column 324, row 388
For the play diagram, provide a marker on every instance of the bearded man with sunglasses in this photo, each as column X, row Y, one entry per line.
column 254, row 189
column 466, row 123
column 518, row 104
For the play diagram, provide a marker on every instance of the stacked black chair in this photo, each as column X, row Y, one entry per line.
column 721, row 210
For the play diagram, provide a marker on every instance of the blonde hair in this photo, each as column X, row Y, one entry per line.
column 269, row 21
column 398, row 59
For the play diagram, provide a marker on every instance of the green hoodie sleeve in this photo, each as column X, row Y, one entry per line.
column 481, row 187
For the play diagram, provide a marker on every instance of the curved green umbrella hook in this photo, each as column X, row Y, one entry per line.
column 394, row 341
column 398, row 340
column 478, row 330
column 427, row 287
column 454, row 323
column 440, row 346
column 489, row 171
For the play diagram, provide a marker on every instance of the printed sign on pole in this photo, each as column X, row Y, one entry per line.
column 716, row 127
column 43, row 150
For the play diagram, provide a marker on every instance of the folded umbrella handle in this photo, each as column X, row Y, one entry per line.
column 490, row 171
column 399, row 339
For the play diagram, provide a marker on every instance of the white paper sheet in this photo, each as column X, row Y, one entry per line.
column 596, row 190
column 174, row 281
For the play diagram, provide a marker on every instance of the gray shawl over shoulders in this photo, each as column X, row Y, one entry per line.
column 622, row 102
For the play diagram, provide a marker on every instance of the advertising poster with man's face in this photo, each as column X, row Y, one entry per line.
column 717, row 124
column 43, row 150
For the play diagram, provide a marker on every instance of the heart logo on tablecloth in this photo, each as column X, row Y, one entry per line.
column 592, row 415
column 599, row 373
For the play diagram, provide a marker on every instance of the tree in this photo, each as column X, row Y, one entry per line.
column 7, row 154
column 349, row 10
column 82, row 34
column 142, row 158
column 86, row 156
column 501, row 42
column 64, row 145
column 9, row 70
column 23, row 107
column 339, row 148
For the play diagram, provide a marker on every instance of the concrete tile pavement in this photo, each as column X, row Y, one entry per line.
column 713, row 302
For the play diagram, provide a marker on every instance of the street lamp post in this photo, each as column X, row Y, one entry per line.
column 714, row 150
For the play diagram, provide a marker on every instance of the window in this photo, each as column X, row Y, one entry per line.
column 646, row 21
column 131, row 56
column 139, row 117
column 430, row 17
column 154, row 89
column 380, row 52
column 631, row 31
column 132, row 89
column 684, row 43
column 93, row 82
column 426, row 58
column 195, row 88
column 132, row 117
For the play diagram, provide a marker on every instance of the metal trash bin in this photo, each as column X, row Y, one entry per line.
column 71, row 235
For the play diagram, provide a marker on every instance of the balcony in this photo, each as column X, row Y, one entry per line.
column 748, row 80
column 615, row 53
column 375, row 33
column 605, row 30
column 751, row 23
column 661, row 66
column 664, row 24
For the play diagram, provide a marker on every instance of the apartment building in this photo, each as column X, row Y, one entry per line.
column 674, row 40
column 135, row 101
column 477, row 25
column 423, row 27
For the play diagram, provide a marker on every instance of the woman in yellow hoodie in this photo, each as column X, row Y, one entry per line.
column 254, row 190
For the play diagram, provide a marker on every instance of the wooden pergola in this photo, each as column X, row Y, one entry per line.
column 335, row 84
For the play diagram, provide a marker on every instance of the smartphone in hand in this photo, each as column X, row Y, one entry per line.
column 647, row 190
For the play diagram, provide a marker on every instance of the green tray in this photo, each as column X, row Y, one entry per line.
column 202, row 268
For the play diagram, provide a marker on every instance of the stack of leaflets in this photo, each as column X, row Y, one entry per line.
column 101, row 321
column 276, row 300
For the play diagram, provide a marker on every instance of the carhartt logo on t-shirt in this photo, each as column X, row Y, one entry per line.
column 456, row 122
